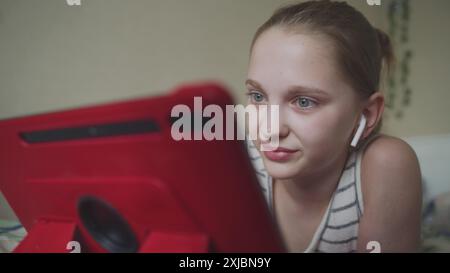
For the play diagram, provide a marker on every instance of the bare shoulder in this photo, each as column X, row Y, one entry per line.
column 392, row 194
column 387, row 150
column 391, row 162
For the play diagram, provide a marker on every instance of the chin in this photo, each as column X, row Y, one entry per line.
column 283, row 170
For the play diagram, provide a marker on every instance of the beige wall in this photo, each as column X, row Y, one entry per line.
column 429, row 112
column 53, row 56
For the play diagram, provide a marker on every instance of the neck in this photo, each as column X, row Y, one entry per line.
column 313, row 191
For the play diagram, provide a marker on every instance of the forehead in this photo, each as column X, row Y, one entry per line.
column 280, row 59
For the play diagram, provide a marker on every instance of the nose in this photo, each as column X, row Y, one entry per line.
column 282, row 133
column 273, row 126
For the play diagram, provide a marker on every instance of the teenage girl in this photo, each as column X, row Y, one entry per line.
column 334, row 184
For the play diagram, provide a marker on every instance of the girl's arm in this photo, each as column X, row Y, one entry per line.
column 392, row 196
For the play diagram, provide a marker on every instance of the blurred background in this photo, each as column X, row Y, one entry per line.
column 54, row 56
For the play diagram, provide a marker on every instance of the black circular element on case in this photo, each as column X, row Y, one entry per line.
column 106, row 226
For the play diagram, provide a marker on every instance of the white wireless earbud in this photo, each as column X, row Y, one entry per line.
column 361, row 127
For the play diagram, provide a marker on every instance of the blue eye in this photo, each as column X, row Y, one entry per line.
column 305, row 102
column 256, row 97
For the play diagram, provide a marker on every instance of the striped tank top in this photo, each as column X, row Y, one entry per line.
column 338, row 229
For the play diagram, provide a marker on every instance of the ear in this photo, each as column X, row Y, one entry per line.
column 373, row 110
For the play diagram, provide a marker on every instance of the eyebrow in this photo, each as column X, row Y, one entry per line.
column 254, row 84
column 292, row 90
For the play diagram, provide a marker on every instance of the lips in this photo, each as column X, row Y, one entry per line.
column 284, row 150
column 280, row 154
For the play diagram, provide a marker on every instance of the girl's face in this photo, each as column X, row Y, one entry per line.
column 318, row 109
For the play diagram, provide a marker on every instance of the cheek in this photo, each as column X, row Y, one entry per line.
column 324, row 131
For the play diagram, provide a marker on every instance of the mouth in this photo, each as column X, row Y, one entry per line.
column 280, row 154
